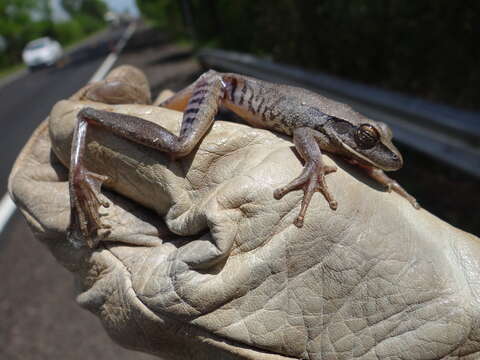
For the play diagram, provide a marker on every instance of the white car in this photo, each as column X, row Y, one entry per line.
column 43, row 51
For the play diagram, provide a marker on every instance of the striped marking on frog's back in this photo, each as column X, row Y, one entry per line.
column 256, row 102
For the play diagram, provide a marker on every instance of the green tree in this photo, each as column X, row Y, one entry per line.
column 45, row 10
column 426, row 48
column 25, row 20
column 92, row 8
column 72, row 6
column 164, row 13
column 14, row 9
column 16, row 26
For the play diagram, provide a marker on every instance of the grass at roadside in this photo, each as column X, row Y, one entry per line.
column 86, row 38
column 10, row 70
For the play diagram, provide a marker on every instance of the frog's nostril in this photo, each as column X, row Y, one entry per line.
column 398, row 159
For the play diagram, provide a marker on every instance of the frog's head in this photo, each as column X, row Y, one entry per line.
column 366, row 141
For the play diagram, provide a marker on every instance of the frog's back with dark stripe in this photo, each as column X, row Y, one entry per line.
column 281, row 107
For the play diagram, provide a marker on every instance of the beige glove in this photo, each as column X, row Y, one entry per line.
column 375, row 279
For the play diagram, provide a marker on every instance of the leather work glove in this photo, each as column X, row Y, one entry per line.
column 219, row 271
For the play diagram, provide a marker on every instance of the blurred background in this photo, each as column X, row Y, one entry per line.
column 412, row 64
column 424, row 48
column 66, row 21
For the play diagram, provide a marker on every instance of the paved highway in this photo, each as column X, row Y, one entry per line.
column 26, row 101
column 39, row 318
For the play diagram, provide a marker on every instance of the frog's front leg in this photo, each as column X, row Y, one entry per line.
column 380, row 176
column 199, row 114
column 312, row 177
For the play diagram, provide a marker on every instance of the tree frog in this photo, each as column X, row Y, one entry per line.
column 315, row 123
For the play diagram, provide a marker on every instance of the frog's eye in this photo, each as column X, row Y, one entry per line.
column 366, row 136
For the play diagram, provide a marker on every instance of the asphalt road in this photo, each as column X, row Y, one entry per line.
column 26, row 101
column 38, row 315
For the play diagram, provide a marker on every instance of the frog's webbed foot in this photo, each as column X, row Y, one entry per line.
column 310, row 180
column 391, row 185
column 85, row 203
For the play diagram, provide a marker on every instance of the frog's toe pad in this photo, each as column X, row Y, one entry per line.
column 279, row 193
column 298, row 222
column 85, row 203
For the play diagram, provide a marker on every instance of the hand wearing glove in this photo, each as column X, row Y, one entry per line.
column 202, row 262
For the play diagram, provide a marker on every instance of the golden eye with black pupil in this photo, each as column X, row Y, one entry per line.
column 366, row 136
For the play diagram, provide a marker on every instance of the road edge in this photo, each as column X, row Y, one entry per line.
column 7, row 206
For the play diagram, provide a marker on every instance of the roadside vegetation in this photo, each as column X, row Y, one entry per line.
column 425, row 48
column 26, row 20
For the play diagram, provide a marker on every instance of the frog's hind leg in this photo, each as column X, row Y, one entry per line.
column 84, row 187
column 181, row 100
column 200, row 111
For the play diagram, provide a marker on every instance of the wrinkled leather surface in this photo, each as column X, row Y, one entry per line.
column 229, row 276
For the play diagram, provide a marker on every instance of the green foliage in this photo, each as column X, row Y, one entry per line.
column 18, row 27
column 12, row 10
column 69, row 31
column 163, row 13
column 88, row 24
column 94, row 8
column 422, row 47
column 71, row 6
column 91, row 8
column 14, row 15
column 427, row 48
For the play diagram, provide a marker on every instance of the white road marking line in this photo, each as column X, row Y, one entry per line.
column 113, row 56
column 103, row 69
column 7, row 206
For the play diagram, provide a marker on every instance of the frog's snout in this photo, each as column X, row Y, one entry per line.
column 396, row 162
